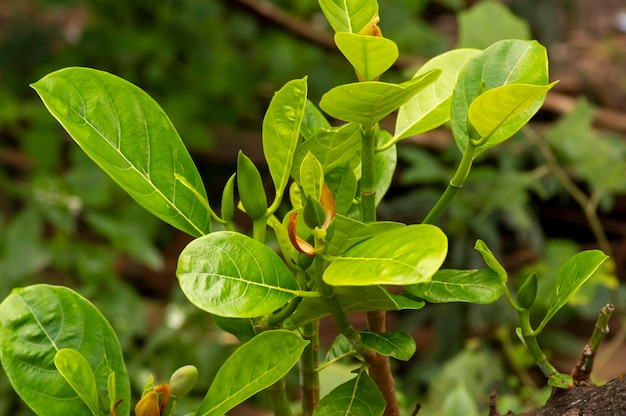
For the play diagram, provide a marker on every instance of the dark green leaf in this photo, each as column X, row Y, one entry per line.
column 250, row 186
column 35, row 323
column 357, row 397
column 473, row 286
column 129, row 136
column 398, row 345
column 229, row 274
column 254, row 366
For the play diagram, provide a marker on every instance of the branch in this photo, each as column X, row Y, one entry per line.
column 581, row 374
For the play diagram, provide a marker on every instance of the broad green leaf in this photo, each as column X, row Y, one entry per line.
column 399, row 345
column 332, row 147
column 76, row 370
column 349, row 15
column 369, row 55
column 254, row 366
column 491, row 261
column 369, row 102
column 353, row 299
column 357, row 397
column 574, row 273
column 229, row 274
column 496, row 22
column 430, row 108
column 281, row 130
column 35, row 323
column 505, row 62
column 311, row 176
column 340, row 347
column 130, row 137
column 350, row 232
column 385, row 166
column 499, row 113
column 473, row 286
column 343, row 184
column 313, row 121
column 407, row 255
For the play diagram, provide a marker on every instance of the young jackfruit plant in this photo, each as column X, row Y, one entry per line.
column 335, row 257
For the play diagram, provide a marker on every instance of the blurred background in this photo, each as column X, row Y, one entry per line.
column 557, row 187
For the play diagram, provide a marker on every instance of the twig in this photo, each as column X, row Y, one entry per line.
column 417, row 409
column 581, row 374
column 493, row 400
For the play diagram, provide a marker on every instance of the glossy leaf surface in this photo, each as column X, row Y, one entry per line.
column 229, row 274
column 404, row 256
column 311, row 176
column 367, row 103
column 254, row 366
column 500, row 112
column 431, row 107
column 130, row 137
column 281, row 130
column 313, row 121
column 38, row 321
column 357, row 397
column 572, row 276
column 474, row 286
column 349, row 15
column 76, row 371
column 505, row 62
column 369, row 55
column 398, row 345
column 350, row 232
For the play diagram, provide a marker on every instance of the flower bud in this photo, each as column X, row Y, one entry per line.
column 183, row 380
column 527, row 293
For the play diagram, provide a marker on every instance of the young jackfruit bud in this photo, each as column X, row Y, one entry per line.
column 183, row 380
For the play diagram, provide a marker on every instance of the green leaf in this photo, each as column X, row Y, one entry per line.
column 496, row 22
column 250, row 187
column 343, row 184
column 385, row 163
column 459, row 402
column 340, row 347
column 357, row 397
column 75, row 369
column 430, row 108
column 311, row 176
column 39, row 320
column 313, row 121
column 332, row 147
column 399, row 345
column 404, row 256
column 491, row 261
column 242, row 328
column 505, row 62
column 574, row 273
column 499, row 113
column 228, row 199
column 350, row 232
column 474, row 286
column 369, row 55
column 349, row 15
column 130, row 137
column 281, row 131
column 369, row 102
column 229, row 274
column 353, row 299
column 254, row 366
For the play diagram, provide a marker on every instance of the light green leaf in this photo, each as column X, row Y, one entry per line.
column 254, row 366
column 281, row 131
column 75, row 369
column 496, row 22
column 353, row 299
column 499, row 113
column 350, row 232
column 349, row 15
column 574, row 273
column 313, row 121
column 39, row 320
column 311, row 176
column 130, row 137
column 403, row 256
column 343, row 184
column 399, row 345
column 491, row 261
column 369, row 55
column 332, row 147
column 430, row 108
column 385, row 163
column 473, row 286
column 369, row 102
column 357, row 397
column 229, row 274
column 505, row 62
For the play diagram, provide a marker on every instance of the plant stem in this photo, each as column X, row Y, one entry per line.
column 380, row 368
column 582, row 371
column 259, row 229
column 530, row 339
column 455, row 184
column 279, row 399
column 310, row 383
